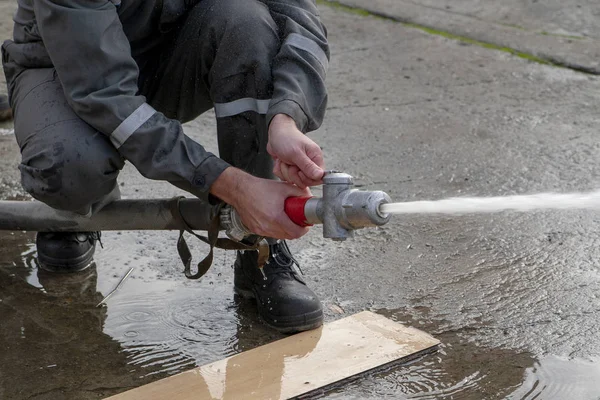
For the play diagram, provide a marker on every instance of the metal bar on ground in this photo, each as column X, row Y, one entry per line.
column 298, row 365
column 109, row 295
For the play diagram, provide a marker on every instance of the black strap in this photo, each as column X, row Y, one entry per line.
column 212, row 239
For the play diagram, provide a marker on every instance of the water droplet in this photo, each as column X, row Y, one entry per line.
column 138, row 316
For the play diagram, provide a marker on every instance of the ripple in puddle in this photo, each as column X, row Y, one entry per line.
column 560, row 378
column 168, row 333
column 463, row 370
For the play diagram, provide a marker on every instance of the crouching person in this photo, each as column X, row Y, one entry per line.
column 94, row 83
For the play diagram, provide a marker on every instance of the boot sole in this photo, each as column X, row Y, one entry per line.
column 77, row 264
column 287, row 325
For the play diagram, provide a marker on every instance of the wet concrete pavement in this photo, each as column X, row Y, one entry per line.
column 562, row 32
column 513, row 298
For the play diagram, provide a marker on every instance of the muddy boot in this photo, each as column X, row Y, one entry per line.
column 284, row 301
column 66, row 251
column 5, row 110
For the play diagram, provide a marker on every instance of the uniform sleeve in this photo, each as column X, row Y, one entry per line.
column 300, row 67
column 92, row 56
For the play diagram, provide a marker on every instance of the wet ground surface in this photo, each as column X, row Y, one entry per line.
column 513, row 298
column 559, row 32
column 553, row 17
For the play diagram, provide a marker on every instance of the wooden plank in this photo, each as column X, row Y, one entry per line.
column 296, row 365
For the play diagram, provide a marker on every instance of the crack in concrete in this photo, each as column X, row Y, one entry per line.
column 544, row 59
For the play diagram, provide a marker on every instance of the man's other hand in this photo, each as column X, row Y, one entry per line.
column 260, row 202
column 298, row 159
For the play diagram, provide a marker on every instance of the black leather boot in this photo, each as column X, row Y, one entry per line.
column 66, row 251
column 284, row 301
column 5, row 110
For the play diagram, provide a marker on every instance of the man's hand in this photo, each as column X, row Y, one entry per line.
column 298, row 159
column 260, row 202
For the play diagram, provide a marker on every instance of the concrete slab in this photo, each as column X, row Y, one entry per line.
column 564, row 33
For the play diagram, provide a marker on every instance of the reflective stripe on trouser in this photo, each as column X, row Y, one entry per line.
column 236, row 107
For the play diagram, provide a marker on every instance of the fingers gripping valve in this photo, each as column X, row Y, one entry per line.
column 341, row 210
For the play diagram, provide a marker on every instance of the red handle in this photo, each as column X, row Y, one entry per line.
column 294, row 208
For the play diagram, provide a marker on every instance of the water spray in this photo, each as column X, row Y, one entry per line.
column 480, row 205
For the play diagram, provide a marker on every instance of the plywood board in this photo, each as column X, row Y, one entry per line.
column 298, row 364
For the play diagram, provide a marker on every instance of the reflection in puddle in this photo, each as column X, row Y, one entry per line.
column 157, row 324
column 264, row 371
column 52, row 332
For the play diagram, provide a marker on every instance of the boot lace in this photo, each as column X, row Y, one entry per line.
column 96, row 236
column 281, row 259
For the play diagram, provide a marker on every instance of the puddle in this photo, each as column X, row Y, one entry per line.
column 460, row 370
column 560, row 378
column 159, row 324
column 156, row 325
column 463, row 370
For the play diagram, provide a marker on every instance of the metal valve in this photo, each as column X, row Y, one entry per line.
column 341, row 210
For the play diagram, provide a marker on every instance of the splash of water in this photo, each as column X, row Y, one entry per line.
column 519, row 203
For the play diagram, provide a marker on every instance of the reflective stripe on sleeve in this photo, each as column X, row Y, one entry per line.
column 310, row 46
column 131, row 124
column 242, row 105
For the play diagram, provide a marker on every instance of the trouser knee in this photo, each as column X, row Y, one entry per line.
column 64, row 182
column 66, row 163
column 222, row 52
column 242, row 40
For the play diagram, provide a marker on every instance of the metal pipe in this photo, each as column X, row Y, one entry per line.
column 120, row 215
